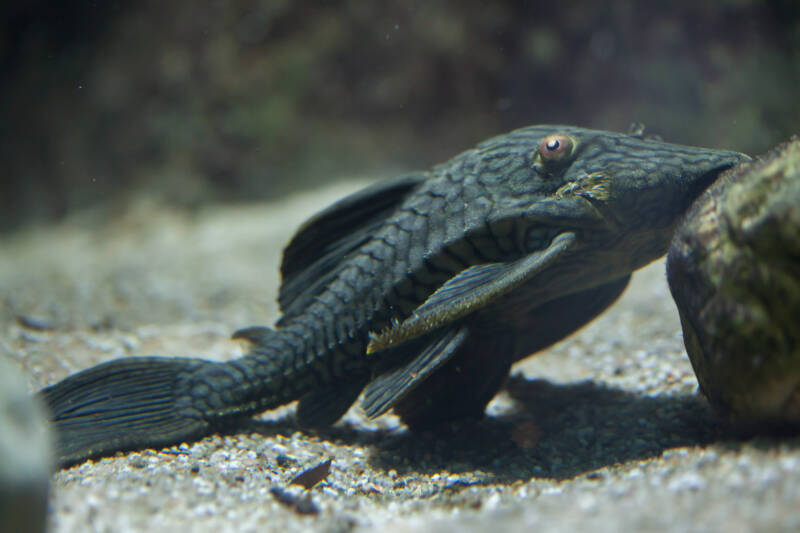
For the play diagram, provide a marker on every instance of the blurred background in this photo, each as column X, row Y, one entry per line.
column 188, row 103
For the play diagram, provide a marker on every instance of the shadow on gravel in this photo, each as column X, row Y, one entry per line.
column 558, row 432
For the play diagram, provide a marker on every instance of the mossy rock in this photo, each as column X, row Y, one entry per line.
column 734, row 271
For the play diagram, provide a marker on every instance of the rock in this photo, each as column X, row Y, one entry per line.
column 734, row 271
column 25, row 454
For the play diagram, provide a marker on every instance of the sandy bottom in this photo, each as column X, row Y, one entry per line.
column 603, row 430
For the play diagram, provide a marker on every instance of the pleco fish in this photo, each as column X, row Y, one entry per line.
column 421, row 291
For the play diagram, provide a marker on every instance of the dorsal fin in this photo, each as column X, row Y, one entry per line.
column 326, row 238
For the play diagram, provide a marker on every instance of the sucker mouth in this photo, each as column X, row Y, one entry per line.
column 705, row 181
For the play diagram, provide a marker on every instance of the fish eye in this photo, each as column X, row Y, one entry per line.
column 555, row 147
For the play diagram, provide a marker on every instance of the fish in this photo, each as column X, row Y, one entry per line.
column 418, row 292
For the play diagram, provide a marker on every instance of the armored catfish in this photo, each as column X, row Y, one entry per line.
column 421, row 291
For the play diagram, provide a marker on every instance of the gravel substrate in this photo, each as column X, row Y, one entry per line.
column 604, row 430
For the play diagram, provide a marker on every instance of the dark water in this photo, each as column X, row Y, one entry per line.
column 249, row 100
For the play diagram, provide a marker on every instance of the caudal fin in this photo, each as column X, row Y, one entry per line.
column 124, row 404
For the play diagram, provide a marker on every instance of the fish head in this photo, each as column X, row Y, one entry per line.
column 631, row 181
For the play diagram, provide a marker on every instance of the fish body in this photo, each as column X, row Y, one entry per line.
column 420, row 291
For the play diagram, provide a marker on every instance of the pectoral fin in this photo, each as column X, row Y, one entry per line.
column 391, row 387
column 471, row 289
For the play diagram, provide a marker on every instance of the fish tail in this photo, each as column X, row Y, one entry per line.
column 128, row 403
column 153, row 402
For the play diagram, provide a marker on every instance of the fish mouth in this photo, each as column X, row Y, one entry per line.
column 708, row 177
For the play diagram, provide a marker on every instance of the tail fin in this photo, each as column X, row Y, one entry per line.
column 127, row 403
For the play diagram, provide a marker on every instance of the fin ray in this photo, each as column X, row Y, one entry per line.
column 323, row 407
column 124, row 404
column 470, row 290
column 389, row 388
column 318, row 247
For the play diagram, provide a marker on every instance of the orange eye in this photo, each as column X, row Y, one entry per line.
column 555, row 147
